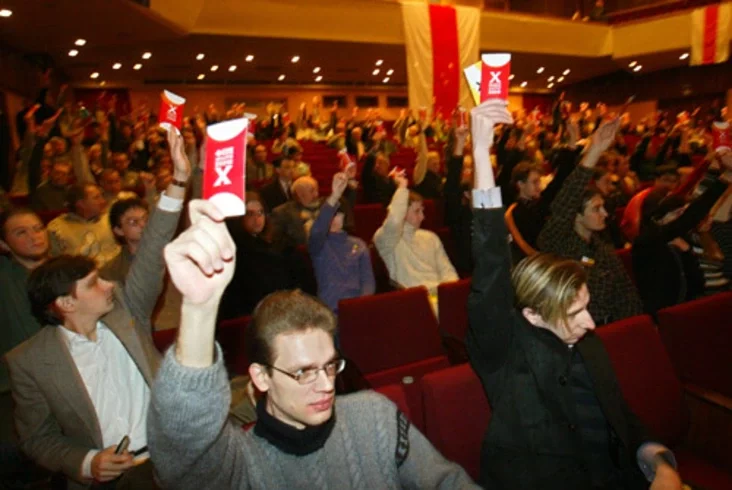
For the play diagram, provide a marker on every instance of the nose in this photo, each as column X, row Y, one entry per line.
column 603, row 211
column 324, row 383
column 590, row 323
column 107, row 284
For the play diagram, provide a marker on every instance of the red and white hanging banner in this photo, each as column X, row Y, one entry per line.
column 710, row 35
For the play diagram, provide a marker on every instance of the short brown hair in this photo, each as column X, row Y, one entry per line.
column 548, row 284
column 521, row 172
column 284, row 312
column 414, row 197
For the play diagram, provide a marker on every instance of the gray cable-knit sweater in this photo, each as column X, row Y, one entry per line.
column 194, row 447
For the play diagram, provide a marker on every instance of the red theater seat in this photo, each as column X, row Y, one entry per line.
column 698, row 338
column 453, row 313
column 368, row 218
column 456, row 415
column 396, row 394
column 230, row 336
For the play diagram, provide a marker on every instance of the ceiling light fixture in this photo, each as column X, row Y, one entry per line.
column 540, row 70
column 102, row 83
column 200, row 56
column 511, row 76
column 566, row 72
column 281, row 77
column 94, row 75
column 560, row 79
column 316, row 69
column 147, row 55
column 117, row 66
column 232, row 68
column 295, row 59
column 201, row 76
column 249, row 58
column 137, row 66
column 80, row 42
column 550, row 85
column 524, row 84
column 6, row 13
column 379, row 62
column 390, row 72
column 73, row 52
column 684, row 56
column 318, row 78
column 214, row 67
column 638, row 68
column 550, row 79
column 375, row 72
column 386, row 80
column 632, row 64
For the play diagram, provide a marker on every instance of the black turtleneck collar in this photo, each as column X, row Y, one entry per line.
column 287, row 438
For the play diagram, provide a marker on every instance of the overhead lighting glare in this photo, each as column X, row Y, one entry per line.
column 214, row 67
column 137, row 66
column 117, row 66
column 375, row 72
column 94, row 75
column 684, row 56
column 638, row 68
column 281, row 77
column 80, row 42
column 249, row 58
column 386, row 80
column 318, row 78
column 524, row 84
column 73, row 52
column 540, row 70
column 295, row 59
column 6, row 13
column 201, row 76
column 390, row 72
column 147, row 55
column 550, row 85
column 560, row 79
column 632, row 64
column 566, row 72
column 511, row 76
column 200, row 56
column 232, row 68
column 379, row 62
column 102, row 83
column 316, row 69
column 550, row 79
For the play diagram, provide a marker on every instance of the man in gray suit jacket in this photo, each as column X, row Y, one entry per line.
column 83, row 382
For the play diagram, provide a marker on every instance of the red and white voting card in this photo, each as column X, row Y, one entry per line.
column 495, row 70
column 721, row 136
column 224, row 174
column 171, row 110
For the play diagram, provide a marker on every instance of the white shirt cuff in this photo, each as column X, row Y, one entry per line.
column 170, row 204
column 86, row 471
column 487, row 198
column 646, row 458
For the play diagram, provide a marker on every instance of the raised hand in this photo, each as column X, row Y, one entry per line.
column 201, row 260
column 484, row 118
column 340, row 182
column 605, row 135
column 181, row 165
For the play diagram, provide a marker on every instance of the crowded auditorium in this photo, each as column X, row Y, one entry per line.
column 365, row 244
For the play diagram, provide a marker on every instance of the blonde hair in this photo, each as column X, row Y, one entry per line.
column 548, row 284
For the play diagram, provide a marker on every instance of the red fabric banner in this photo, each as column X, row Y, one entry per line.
column 711, row 16
column 445, row 59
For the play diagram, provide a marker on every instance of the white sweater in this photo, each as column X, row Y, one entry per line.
column 413, row 257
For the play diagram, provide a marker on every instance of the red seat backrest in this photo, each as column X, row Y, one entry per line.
column 456, row 415
column 646, row 376
column 453, row 300
column 388, row 330
column 230, row 334
column 698, row 338
column 368, row 218
column 395, row 393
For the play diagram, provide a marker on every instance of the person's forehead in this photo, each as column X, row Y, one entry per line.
column 24, row 220
column 254, row 206
column 134, row 212
column 303, row 348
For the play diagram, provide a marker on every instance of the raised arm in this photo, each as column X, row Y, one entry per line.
column 79, row 160
column 388, row 235
column 321, row 226
column 490, row 303
column 420, row 169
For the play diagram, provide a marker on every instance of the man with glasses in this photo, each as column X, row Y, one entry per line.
column 128, row 218
column 304, row 437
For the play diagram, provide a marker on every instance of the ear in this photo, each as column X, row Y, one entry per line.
column 4, row 247
column 118, row 232
column 259, row 376
column 533, row 317
column 65, row 304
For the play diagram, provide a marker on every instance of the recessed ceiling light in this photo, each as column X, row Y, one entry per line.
column 540, row 70
column 684, row 56
column 511, row 76
column 281, row 77
column 550, row 85
column 103, row 83
column 379, row 62
column 200, row 56
column 80, row 42
column 638, row 68
column 73, row 52
column 386, row 80
column 376, row 72
column 117, row 66
column 94, row 75
column 249, row 58
column 524, row 84
column 560, row 79
column 214, row 67
column 390, row 72
column 201, row 76
column 232, row 68
column 137, row 66
column 318, row 78
column 147, row 55
column 632, row 64
column 295, row 59
column 6, row 13
column 316, row 69
column 550, row 79
column 566, row 72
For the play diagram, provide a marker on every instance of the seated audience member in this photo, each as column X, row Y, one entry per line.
column 84, row 230
column 292, row 220
column 302, row 169
column 258, row 168
column 573, row 231
column 277, row 192
column 413, row 257
column 111, row 184
column 121, row 162
column 354, row 143
column 529, row 328
column 666, row 268
column 51, row 195
column 342, row 263
column 305, row 436
column 602, row 179
column 127, row 218
column 666, row 181
column 627, row 180
column 377, row 186
column 83, row 381
column 427, row 179
column 262, row 266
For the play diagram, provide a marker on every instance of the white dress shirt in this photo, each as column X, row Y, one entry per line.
column 116, row 388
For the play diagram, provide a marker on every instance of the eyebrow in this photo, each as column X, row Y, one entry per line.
column 314, row 366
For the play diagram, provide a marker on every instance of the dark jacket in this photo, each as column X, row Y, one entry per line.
column 376, row 188
column 532, row 441
column 273, row 195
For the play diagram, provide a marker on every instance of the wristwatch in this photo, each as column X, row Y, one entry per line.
column 179, row 183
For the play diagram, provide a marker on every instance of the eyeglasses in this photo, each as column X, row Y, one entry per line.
column 136, row 221
column 307, row 376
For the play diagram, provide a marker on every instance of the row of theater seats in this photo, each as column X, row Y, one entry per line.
column 676, row 377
